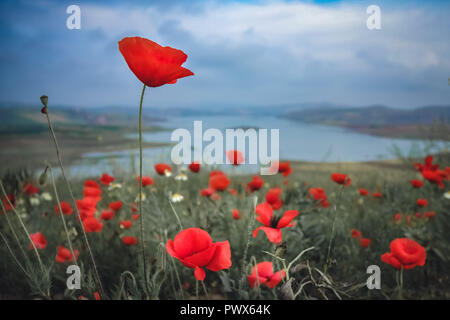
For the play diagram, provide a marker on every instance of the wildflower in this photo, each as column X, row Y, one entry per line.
column 181, row 177
column 91, row 183
column 64, row 255
column 151, row 63
column 195, row 249
column 34, row 201
column 87, row 207
column 283, row 168
column 397, row 217
column 272, row 225
column 405, row 253
column 355, row 233
column 135, row 216
column 46, row 196
column 126, row 224
column 235, row 213
column 163, row 169
column 235, row 157
column 255, row 184
column 113, row 186
column 6, row 202
column 116, row 205
column 194, row 167
column 319, row 194
column 146, row 181
column 364, row 242
column 96, row 295
column 91, row 224
column 176, row 197
column 422, row 202
column 447, row 195
column 29, row 189
column 273, row 198
column 416, row 183
column 377, row 195
column 429, row 214
column 107, row 214
column 263, row 274
column 363, row 192
column 92, row 192
column 106, row 179
column 40, row 242
column 206, row 192
column 65, row 207
column 219, row 181
column 341, row 178
column 129, row 240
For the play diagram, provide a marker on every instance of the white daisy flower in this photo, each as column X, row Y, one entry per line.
column 34, row 201
column 176, row 198
column 46, row 196
column 113, row 186
column 181, row 177
column 447, row 195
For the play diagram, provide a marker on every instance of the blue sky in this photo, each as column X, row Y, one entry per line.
column 245, row 53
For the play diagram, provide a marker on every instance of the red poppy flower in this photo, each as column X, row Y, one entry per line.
column 151, row 63
column 417, row 183
column 364, row 242
column 116, row 205
column 206, row 192
column 92, row 192
column 377, row 195
column 283, row 168
column 263, row 274
column 133, row 207
column 397, row 217
column 219, row 182
column 356, row 234
column 129, row 240
column 273, row 198
column 255, row 184
column 341, row 178
column 107, row 214
column 87, row 207
column 428, row 165
column 64, row 255
column 126, row 224
column 429, row 214
column 319, row 194
column 235, row 157
column 106, row 179
column 363, row 192
column 405, row 253
column 194, row 167
column 422, row 202
column 135, row 216
column 91, row 224
column 92, row 184
column 272, row 224
column 195, row 249
column 435, row 177
column 65, row 207
column 162, row 167
column 236, row 214
column 6, row 204
column 39, row 241
column 146, row 181
column 29, row 189
column 96, row 295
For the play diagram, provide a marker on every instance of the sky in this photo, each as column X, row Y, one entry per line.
column 243, row 53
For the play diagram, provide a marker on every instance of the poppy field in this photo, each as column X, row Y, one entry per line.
column 200, row 231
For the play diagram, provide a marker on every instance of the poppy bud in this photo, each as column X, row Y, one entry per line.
column 44, row 100
column 43, row 177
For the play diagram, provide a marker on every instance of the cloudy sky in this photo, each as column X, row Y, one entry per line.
column 249, row 53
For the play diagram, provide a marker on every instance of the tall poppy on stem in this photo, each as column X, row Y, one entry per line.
column 155, row 66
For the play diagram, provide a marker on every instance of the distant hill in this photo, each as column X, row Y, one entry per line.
column 381, row 120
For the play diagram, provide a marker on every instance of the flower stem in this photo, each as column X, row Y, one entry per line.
column 327, row 261
column 141, row 215
column 96, row 274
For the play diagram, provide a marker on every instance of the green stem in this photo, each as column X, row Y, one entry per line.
column 141, row 214
column 327, row 261
column 55, row 141
column 62, row 215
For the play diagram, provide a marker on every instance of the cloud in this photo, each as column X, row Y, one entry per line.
column 256, row 53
